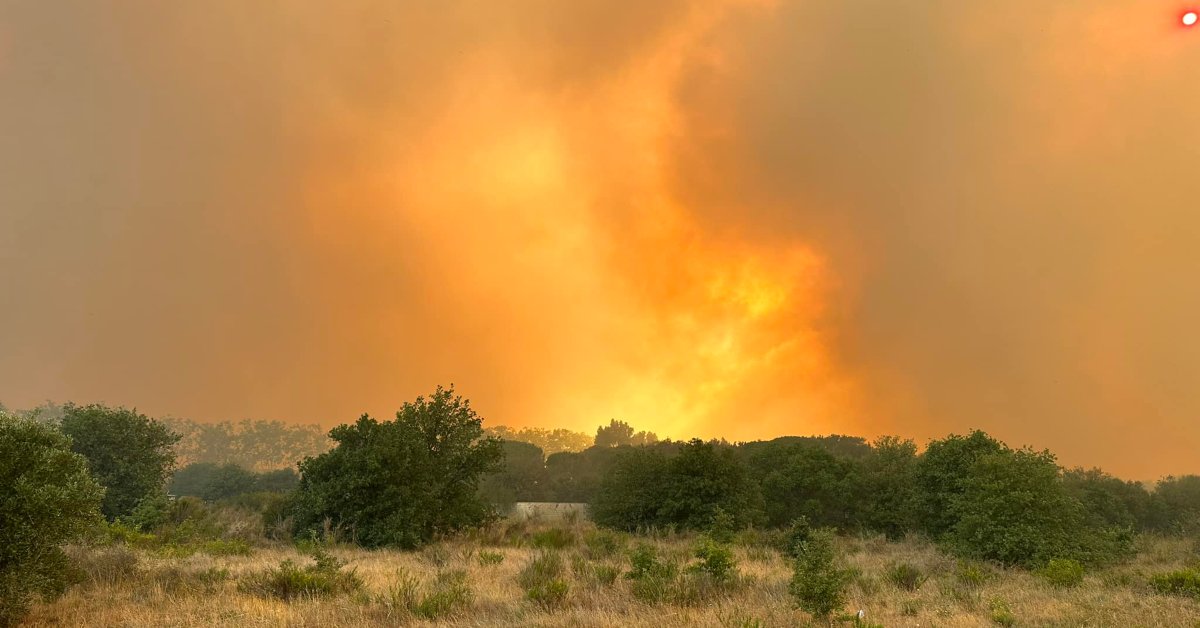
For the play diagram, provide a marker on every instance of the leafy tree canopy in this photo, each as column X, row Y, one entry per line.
column 48, row 499
column 400, row 483
column 130, row 455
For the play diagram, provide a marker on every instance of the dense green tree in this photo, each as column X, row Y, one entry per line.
column 550, row 441
column 802, row 480
column 1012, row 507
column 213, row 482
column 615, row 434
column 1175, row 505
column 887, row 493
column 849, row 447
column 521, row 477
column 128, row 453
column 229, row 480
column 48, row 499
column 399, row 483
column 575, row 476
column 941, row 475
column 633, row 489
column 651, row 487
column 1108, row 501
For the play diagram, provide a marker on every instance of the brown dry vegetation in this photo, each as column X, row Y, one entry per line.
column 132, row 587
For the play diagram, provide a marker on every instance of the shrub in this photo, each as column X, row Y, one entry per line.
column 1185, row 583
column 224, row 547
column 324, row 578
column 646, row 488
column 553, row 538
column 800, row 479
column 105, row 566
column 603, row 575
column 449, row 593
column 1002, row 614
column 1013, row 508
column 542, row 580
column 819, row 582
column 723, row 526
column 797, row 535
column 151, row 512
column 549, row 594
column 906, row 576
column 1062, row 572
column 386, row 483
column 716, row 562
column 490, row 558
column 603, row 543
column 971, row 573
column 652, row 578
column 47, row 499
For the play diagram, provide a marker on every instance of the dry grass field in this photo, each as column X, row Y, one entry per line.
column 145, row 588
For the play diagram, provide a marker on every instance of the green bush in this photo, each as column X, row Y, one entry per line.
column 385, row 482
column 324, row 578
column 971, row 573
column 723, row 526
column 600, row 544
column 1002, row 614
column 1062, row 573
column 1013, row 508
column 151, row 513
column 818, row 582
column 1185, row 583
column 47, row 499
column 716, row 562
column 549, row 594
column 542, row 581
column 650, row 488
column 652, row 579
column 449, row 594
column 226, row 547
column 796, row 535
column 604, row 575
column 906, row 576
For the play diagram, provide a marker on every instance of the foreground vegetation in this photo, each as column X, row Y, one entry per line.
column 795, row 530
column 520, row 574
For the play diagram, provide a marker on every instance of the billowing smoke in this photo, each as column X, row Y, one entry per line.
column 713, row 217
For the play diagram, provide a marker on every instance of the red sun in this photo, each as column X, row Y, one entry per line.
column 1190, row 18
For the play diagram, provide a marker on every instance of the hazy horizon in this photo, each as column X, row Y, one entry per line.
column 714, row 218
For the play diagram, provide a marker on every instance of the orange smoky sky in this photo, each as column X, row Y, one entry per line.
column 706, row 217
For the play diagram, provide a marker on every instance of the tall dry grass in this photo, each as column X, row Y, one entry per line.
column 140, row 588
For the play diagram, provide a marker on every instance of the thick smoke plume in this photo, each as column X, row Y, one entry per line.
column 721, row 218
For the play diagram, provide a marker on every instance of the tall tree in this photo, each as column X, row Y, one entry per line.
column 130, row 455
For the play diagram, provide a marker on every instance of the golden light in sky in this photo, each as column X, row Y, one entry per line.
column 716, row 218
